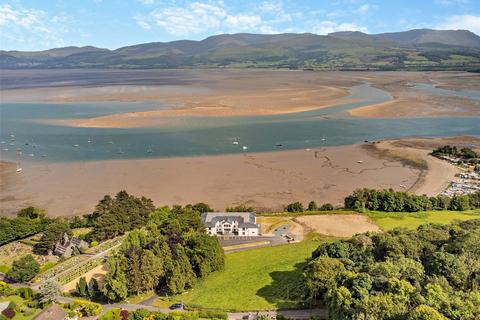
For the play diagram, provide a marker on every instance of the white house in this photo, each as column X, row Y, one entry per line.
column 231, row 223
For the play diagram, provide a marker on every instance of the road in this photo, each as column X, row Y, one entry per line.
column 289, row 314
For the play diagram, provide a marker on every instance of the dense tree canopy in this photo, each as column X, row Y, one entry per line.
column 29, row 221
column 430, row 273
column 115, row 216
column 167, row 255
column 24, row 269
column 51, row 235
column 394, row 201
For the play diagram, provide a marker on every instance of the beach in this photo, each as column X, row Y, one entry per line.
column 266, row 181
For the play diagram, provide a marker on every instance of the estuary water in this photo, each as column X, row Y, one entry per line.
column 23, row 138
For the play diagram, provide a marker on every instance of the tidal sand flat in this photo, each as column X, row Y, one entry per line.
column 417, row 94
column 263, row 180
column 215, row 93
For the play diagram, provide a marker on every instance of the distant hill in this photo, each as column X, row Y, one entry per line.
column 420, row 49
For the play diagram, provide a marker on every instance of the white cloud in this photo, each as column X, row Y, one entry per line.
column 451, row 2
column 146, row 1
column 243, row 21
column 23, row 25
column 325, row 27
column 362, row 9
column 142, row 22
column 464, row 22
column 192, row 19
column 212, row 17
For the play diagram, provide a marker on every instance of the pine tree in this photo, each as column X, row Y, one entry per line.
column 82, row 287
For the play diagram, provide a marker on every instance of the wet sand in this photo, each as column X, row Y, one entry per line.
column 266, row 181
column 236, row 92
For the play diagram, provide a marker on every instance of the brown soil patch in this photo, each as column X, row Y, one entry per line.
column 339, row 225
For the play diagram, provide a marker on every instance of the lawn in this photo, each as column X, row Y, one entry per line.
column 258, row 279
column 390, row 220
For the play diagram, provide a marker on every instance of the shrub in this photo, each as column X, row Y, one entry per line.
column 113, row 314
column 295, row 207
column 327, row 207
column 25, row 293
column 94, row 244
column 87, row 308
column 312, row 206
column 211, row 314
column 6, row 290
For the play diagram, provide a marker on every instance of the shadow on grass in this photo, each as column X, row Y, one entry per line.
column 286, row 289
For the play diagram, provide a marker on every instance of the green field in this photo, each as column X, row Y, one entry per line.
column 390, row 220
column 258, row 279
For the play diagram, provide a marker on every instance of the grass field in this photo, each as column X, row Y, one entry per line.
column 258, row 279
column 390, row 220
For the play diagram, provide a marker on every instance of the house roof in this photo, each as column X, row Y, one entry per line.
column 53, row 312
column 245, row 219
column 4, row 305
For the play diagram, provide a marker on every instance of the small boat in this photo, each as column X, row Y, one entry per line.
column 359, row 161
column 324, row 139
column 3, row 142
column 120, row 151
column 89, row 141
column 44, row 155
column 149, row 150
column 235, row 142
column 279, row 145
column 110, row 142
column 6, row 149
column 32, row 155
column 308, row 149
column 12, row 136
column 244, row 147
column 76, row 145
column 12, row 143
column 19, row 170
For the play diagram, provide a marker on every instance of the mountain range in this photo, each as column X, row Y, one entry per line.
column 419, row 49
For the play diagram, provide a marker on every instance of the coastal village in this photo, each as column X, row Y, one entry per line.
column 467, row 181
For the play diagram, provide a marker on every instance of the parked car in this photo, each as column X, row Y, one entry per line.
column 176, row 306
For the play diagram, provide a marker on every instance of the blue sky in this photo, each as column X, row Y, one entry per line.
column 43, row 24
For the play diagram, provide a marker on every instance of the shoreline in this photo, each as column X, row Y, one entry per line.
column 266, row 180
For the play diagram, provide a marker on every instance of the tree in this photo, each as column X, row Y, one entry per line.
column 240, row 208
column 24, row 269
column 93, row 289
column 31, row 213
column 114, row 217
column 424, row 312
column 81, row 288
column 201, row 207
column 115, row 285
column 49, row 291
column 321, row 275
column 460, row 203
column 312, row 206
column 327, row 207
column 295, row 207
column 205, row 254
column 52, row 234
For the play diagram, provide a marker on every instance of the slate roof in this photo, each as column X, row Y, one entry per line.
column 245, row 219
column 53, row 312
